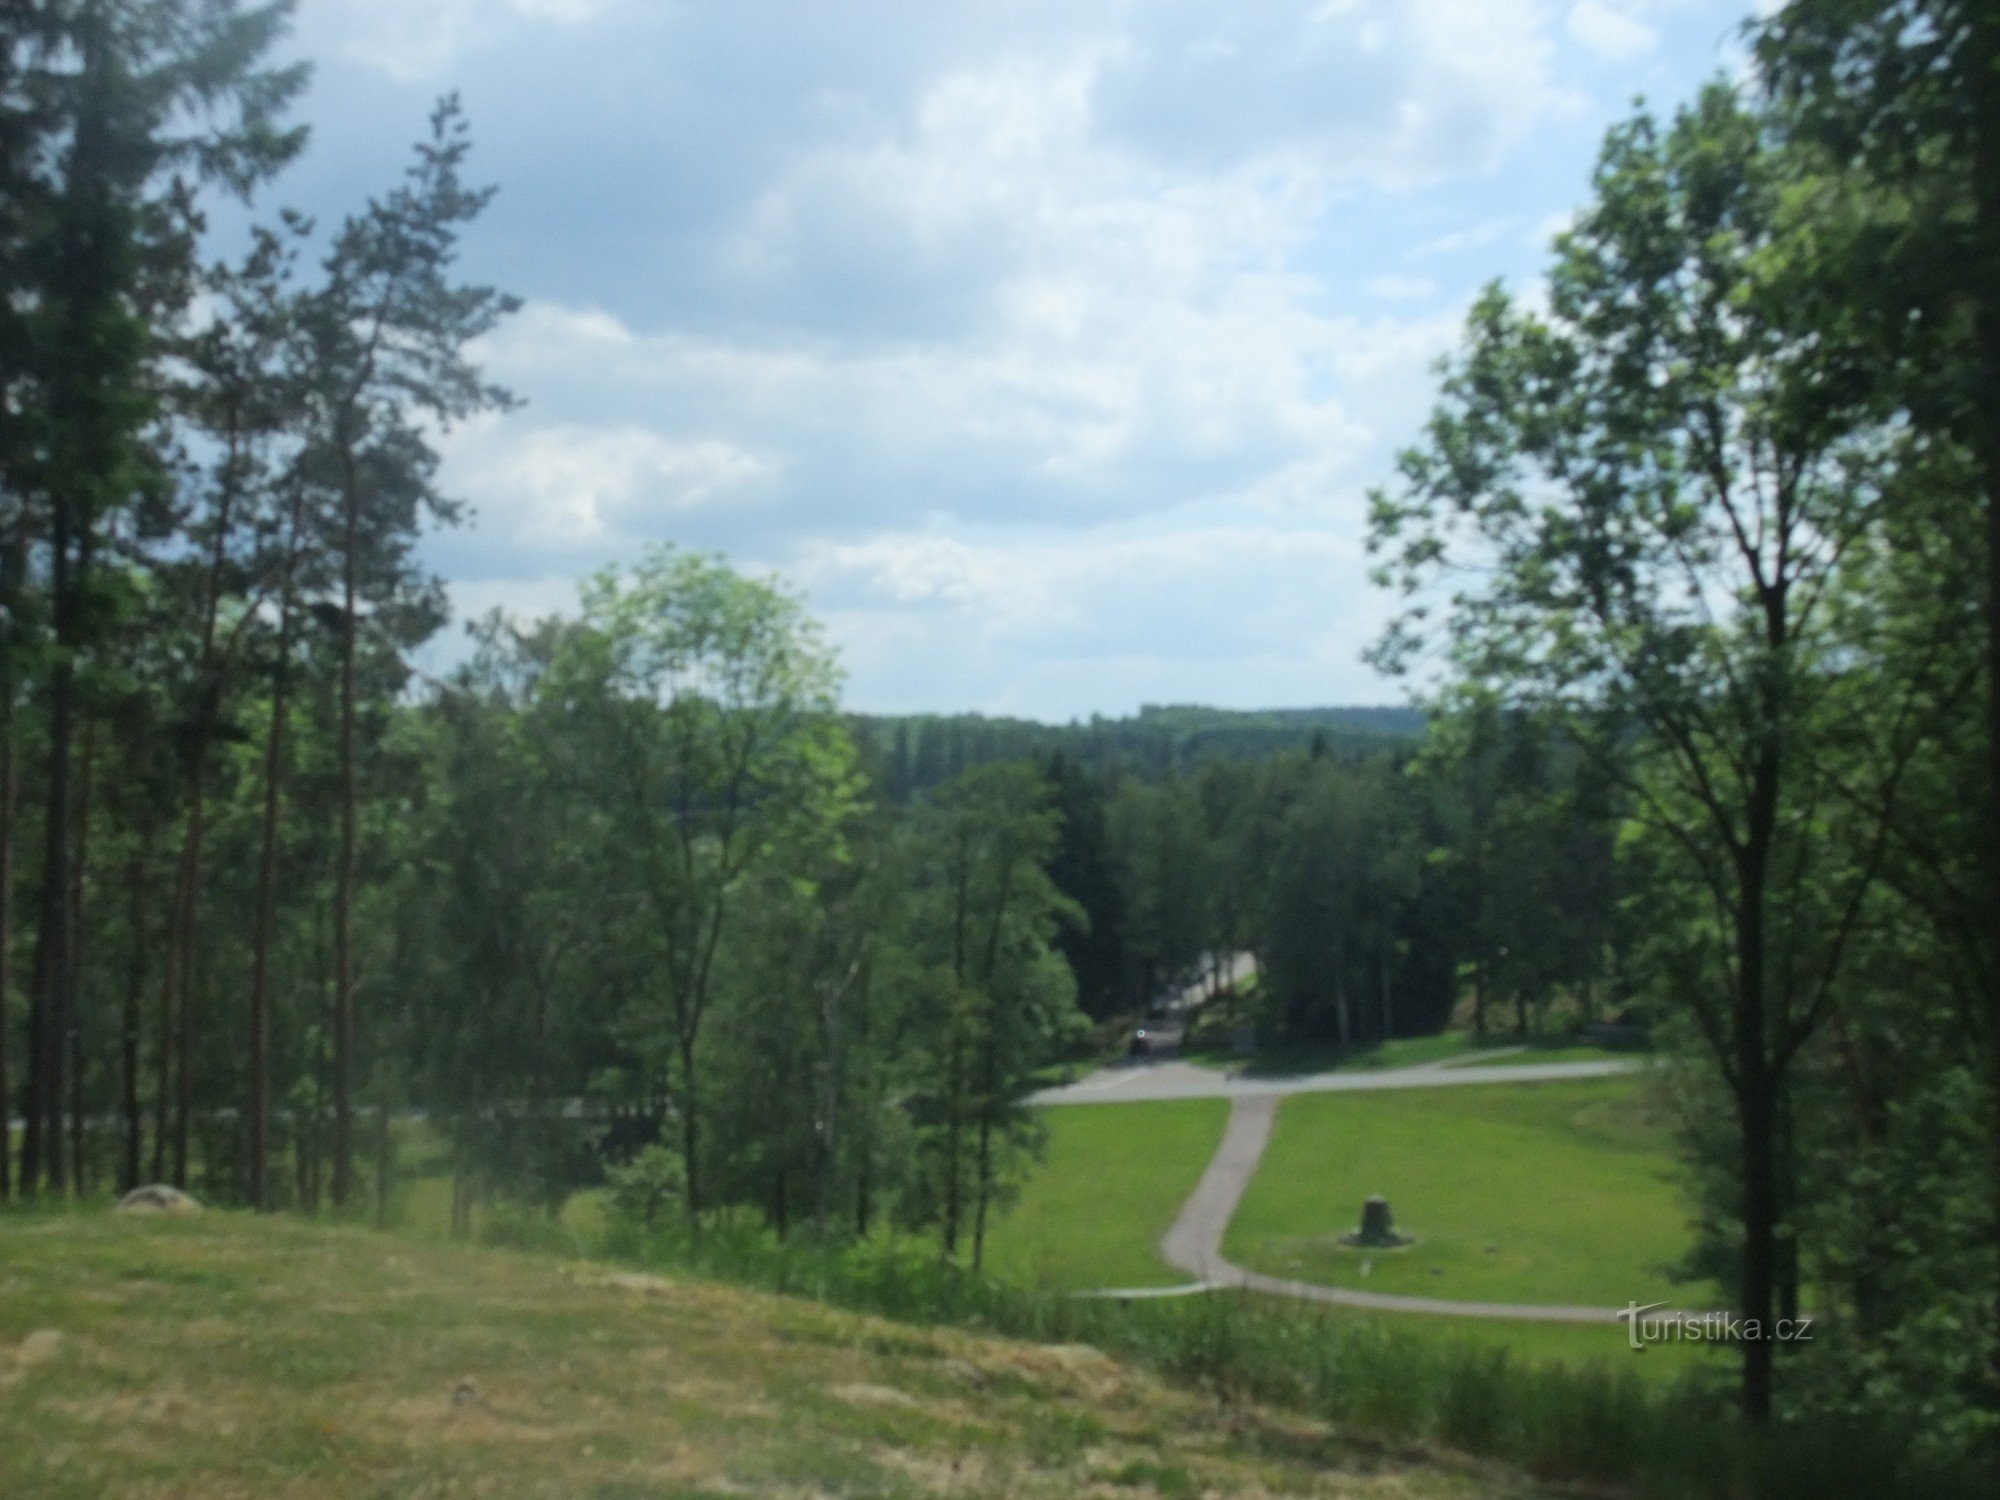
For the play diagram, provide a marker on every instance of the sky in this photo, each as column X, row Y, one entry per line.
column 1049, row 348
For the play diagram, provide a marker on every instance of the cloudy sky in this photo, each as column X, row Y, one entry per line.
column 1049, row 346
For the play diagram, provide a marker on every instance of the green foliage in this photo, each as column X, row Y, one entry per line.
column 646, row 1187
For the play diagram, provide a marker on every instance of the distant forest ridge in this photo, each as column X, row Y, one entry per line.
column 910, row 753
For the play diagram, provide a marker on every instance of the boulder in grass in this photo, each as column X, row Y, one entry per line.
column 158, row 1199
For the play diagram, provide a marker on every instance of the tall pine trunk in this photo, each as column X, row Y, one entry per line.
column 42, row 1156
column 136, row 954
column 259, row 1184
column 954, row 1130
column 1983, row 42
column 343, row 898
column 7, row 802
column 179, row 1005
column 79, row 926
column 984, row 1186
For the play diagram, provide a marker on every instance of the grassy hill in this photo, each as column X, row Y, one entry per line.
column 223, row 1356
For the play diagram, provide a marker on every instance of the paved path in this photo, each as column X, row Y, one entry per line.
column 1174, row 1079
column 1194, row 1243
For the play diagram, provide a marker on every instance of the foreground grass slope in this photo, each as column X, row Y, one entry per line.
column 223, row 1356
column 1550, row 1192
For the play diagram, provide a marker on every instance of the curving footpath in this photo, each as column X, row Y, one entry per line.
column 1194, row 1243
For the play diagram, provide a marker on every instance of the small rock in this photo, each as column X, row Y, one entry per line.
column 158, row 1199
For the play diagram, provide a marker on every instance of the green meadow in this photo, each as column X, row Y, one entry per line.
column 1562, row 1192
column 1093, row 1211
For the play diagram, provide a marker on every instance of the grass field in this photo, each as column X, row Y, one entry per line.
column 1115, row 1175
column 1552, row 1192
column 227, row 1357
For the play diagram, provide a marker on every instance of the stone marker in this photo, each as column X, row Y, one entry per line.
column 158, row 1199
column 1378, row 1229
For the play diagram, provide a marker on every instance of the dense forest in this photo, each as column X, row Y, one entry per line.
column 1697, row 551
column 912, row 753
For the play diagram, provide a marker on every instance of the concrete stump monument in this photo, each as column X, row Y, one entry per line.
column 1378, row 1228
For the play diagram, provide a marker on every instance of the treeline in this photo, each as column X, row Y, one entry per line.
column 1377, row 893
column 909, row 754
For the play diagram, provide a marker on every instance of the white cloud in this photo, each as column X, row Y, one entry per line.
column 1472, row 237
column 1393, row 93
column 571, row 488
column 1609, row 32
column 417, row 39
column 1065, row 626
column 1393, row 288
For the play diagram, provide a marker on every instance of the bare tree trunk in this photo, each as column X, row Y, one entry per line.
column 7, row 801
column 128, row 1030
column 385, row 1156
column 1983, row 47
column 343, row 897
column 688, row 1105
column 954, row 1128
column 43, row 1157
column 163, row 1066
column 259, row 1166
column 1759, row 1079
column 984, row 1187
column 864, row 1182
column 180, row 975
column 78, row 896
column 176, row 1061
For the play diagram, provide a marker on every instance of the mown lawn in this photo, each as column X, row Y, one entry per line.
column 228, row 1357
column 1093, row 1210
column 1551, row 1192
